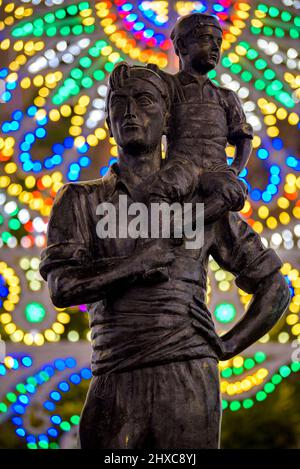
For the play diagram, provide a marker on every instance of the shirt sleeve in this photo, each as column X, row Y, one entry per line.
column 236, row 120
column 238, row 249
column 67, row 233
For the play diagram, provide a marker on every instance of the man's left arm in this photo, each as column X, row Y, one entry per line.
column 238, row 249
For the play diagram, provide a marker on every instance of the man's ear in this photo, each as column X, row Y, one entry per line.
column 181, row 47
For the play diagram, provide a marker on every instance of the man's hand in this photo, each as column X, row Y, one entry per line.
column 154, row 255
column 204, row 324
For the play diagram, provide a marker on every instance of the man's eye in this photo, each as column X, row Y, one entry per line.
column 144, row 100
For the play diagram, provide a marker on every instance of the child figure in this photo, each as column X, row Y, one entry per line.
column 203, row 118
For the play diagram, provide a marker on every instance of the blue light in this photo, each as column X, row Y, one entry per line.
column 83, row 149
column 2, row 370
column 27, row 166
column 86, row 373
column 29, row 137
column 56, row 419
column 274, row 179
column 25, row 146
column 3, row 72
column 70, row 362
column 266, row 197
column 18, row 409
column 31, row 111
column 131, row 17
column 12, row 85
column 127, row 7
column 138, row 26
column 52, row 432
column 255, row 194
column 63, row 386
column 23, row 399
column 49, row 405
column 30, row 388
column 17, row 115
column 27, row 361
column 59, row 364
column 17, row 421
column 68, row 142
column 56, row 159
column 84, row 161
column 274, row 169
column 20, row 432
column 263, row 153
column 40, row 132
column 6, row 96
column 277, row 143
column 75, row 379
column 104, row 170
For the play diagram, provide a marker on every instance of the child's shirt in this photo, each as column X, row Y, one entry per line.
column 204, row 117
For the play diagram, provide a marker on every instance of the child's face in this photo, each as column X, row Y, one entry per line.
column 202, row 47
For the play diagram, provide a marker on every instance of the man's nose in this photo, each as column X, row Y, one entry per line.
column 130, row 108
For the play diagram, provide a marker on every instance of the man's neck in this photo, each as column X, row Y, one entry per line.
column 135, row 168
column 187, row 67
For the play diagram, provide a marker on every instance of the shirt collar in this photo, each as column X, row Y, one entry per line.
column 186, row 78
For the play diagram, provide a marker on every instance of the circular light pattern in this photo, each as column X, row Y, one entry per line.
column 35, row 312
column 225, row 312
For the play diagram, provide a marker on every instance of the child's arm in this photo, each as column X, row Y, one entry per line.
column 242, row 155
column 240, row 133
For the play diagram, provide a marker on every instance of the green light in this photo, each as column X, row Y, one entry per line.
column 273, row 12
column 109, row 67
column 35, row 312
column 262, row 7
column 226, row 62
column 43, row 444
column 236, row 68
column 285, row 371
column 65, row 426
column 51, row 31
column 267, row 31
column 244, row 44
column 53, row 446
column 259, row 85
column 225, row 312
column 38, row 23
column 85, row 62
column 212, row 74
column 1, row 219
column 31, row 446
column 31, row 380
column 261, row 396
column 14, row 224
column 99, row 75
column 260, row 64
column 28, row 28
column 259, row 357
column 100, row 44
column 65, row 31
column 89, row 29
column 3, row 407
column 49, row 18
column 11, row 397
column 297, row 20
column 6, row 236
column 87, row 82
column 75, row 419
column 294, row 33
column 76, row 73
column 246, row 75
column 83, row 6
column 255, row 30
column 269, row 74
column 279, row 32
column 269, row 387
column 227, row 373
column 21, row 388
column 72, row 10
column 249, row 363
column 276, row 379
column 286, row 16
column 238, row 371
column 60, row 14
column 252, row 54
column 224, row 404
column 248, row 403
column 94, row 51
column 77, row 29
column 295, row 366
column 235, row 405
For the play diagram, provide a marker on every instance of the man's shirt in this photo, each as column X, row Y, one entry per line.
column 147, row 324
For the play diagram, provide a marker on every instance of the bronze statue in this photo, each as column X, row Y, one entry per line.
column 155, row 354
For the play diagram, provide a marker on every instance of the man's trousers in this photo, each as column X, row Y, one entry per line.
column 169, row 406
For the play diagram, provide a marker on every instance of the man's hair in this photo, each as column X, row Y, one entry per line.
column 187, row 25
column 123, row 72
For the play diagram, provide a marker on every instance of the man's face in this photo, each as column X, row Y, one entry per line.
column 203, row 48
column 136, row 113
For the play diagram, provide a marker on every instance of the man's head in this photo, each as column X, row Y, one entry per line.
column 136, row 107
column 197, row 40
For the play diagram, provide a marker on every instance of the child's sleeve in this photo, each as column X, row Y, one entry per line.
column 238, row 127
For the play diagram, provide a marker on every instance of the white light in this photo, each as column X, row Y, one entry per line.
column 292, row 53
column 74, row 49
column 10, row 207
column 24, row 216
column 226, row 78
column 84, row 42
column 38, row 224
column 2, row 199
column 243, row 92
column 54, row 62
column 50, row 54
column 297, row 230
column 249, row 106
column 68, row 58
column 255, row 122
column 276, row 239
column 287, row 235
column 277, row 59
column 98, row 103
column 12, row 242
column 265, row 242
column 102, row 90
column 262, row 43
column 292, row 64
column 61, row 46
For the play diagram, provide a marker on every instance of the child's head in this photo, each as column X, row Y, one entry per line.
column 197, row 40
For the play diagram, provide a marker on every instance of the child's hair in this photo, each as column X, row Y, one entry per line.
column 186, row 25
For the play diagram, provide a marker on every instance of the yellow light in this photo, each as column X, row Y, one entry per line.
column 66, row 110
column 54, row 115
column 256, row 141
column 283, row 202
column 284, row 218
column 64, row 318
column 92, row 140
column 296, row 329
column 270, row 120
column 100, row 133
column 10, row 168
column 30, row 182
column 28, row 339
column 25, row 83
column 58, row 328
column 292, row 319
column 84, row 100
column 273, row 132
column 281, row 113
column 293, row 118
column 258, row 227
column 263, row 212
